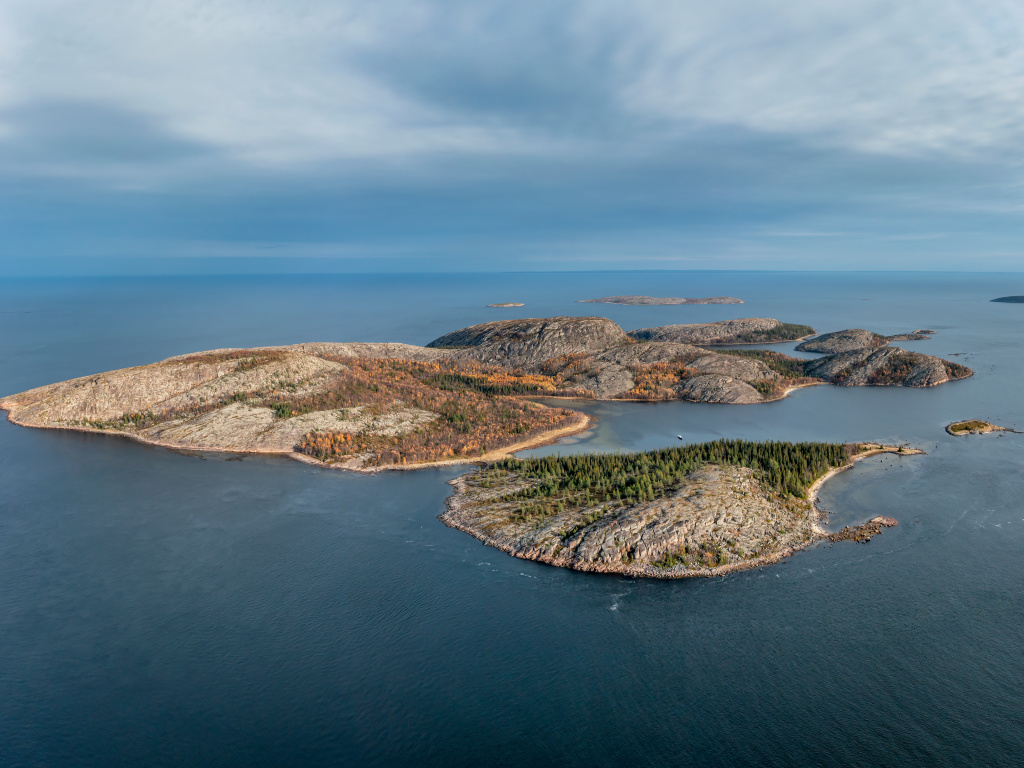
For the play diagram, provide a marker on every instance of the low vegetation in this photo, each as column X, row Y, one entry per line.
column 968, row 426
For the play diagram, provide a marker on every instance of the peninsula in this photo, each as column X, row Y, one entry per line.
column 470, row 395
column 699, row 510
column 667, row 300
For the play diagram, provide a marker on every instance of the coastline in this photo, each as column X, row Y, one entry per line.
column 875, row 450
column 545, row 438
column 453, row 506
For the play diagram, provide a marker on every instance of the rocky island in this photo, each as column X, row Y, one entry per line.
column 699, row 510
column 469, row 395
column 974, row 427
column 508, row 304
column 1010, row 299
column 655, row 300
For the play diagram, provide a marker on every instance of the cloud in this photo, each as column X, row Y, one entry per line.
column 440, row 124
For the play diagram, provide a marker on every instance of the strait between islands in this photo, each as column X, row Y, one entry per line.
column 469, row 397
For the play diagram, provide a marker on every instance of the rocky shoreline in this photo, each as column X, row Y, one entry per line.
column 462, row 512
column 975, row 427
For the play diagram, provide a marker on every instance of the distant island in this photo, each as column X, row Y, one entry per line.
column 508, row 304
column 665, row 300
column 697, row 510
column 1010, row 299
column 470, row 395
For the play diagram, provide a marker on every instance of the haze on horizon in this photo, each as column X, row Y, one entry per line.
column 310, row 135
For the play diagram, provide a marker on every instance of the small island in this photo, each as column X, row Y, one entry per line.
column 974, row 427
column 655, row 300
column 1010, row 299
column 508, row 304
column 697, row 510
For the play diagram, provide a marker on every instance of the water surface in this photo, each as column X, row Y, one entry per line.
column 161, row 608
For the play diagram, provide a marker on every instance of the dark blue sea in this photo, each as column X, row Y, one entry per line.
column 171, row 609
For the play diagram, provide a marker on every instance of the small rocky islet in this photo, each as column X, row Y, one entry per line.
column 974, row 427
column 661, row 301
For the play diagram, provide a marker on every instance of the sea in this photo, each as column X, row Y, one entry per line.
column 166, row 608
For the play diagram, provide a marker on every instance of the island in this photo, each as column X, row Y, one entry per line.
column 974, row 427
column 655, row 300
column 748, row 330
column 696, row 510
column 508, row 304
column 855, row 338
column 1010, row 299
column 471, row 395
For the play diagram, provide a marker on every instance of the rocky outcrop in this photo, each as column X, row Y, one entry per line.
column 649, row 353
column 733, row 367
column 750, row 330
column 854, row 338
column 975, row 427
column 648, row 300
column 712, row 388
column 863, row 533
column 523, row 343
column 242, row 427
column 843, row 341
column 719, row 511
column 607, row 381
column 886, row 366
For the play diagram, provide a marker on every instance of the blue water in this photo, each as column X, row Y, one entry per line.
column 159, row 608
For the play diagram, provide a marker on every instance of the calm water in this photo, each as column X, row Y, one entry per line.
column 159, row 608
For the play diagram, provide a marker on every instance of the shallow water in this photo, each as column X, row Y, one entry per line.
column 160, row 608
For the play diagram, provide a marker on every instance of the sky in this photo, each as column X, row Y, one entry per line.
column 151, row 136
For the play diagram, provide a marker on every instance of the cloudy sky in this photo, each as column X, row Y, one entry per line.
column 272, row 135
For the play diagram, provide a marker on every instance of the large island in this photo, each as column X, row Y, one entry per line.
column 470, row 395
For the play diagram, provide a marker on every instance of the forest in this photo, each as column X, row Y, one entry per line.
column 557, row 483
column 781, row 332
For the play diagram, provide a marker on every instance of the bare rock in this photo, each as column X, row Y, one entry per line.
column 734, row 367
column 607, row 382
column 750, row 330
column 885, row 366
column 524, row 343
column 843, row 341
column 651, row 352
column 713, row 388
column 719, row 511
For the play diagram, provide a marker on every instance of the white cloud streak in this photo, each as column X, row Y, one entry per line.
column 279, row 84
